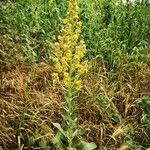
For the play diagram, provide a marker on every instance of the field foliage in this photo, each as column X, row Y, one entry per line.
column 113, row 108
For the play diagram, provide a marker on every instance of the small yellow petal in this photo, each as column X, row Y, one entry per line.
column 55, row 78
column 78, row 85
column 58, row 67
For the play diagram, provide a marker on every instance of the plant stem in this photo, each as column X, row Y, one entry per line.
column 70, row 117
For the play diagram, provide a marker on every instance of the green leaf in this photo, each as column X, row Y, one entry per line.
column 75, row 133
column 88, row 146
column 58, row 142
column 57, row 125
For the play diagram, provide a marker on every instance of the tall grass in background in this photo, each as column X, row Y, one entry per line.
column 32, row 24
column 112, row 29
column 115, row 99
column 108, row 28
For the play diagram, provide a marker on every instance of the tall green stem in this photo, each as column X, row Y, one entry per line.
column 70, row 117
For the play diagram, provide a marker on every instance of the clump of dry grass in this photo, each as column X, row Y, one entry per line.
column 28, row 103
column 104, row 99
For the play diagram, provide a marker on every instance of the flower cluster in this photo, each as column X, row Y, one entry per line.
column 69, row 51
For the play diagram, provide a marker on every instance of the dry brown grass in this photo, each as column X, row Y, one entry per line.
column 29, row 104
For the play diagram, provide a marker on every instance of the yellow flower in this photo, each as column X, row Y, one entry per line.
column 56, row 44
column 75, row 18
column 65, row 47
column 68, row 55
column 82, row 69
column 64, row 63
column 75, row 37
column 79, row 25
column 65, row 21
column 60, row 38
column 55, row 78
column 80, row 53
column 78, row 85
column 76, row 65
column 66, row 79
column 58, row 67
column 76, row 57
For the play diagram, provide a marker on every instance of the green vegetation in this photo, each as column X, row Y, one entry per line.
column 113, row 107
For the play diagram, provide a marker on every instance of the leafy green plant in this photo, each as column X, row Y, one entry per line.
column 69, row 66
column 35, row 141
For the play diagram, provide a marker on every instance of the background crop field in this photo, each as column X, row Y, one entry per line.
column 114, row 105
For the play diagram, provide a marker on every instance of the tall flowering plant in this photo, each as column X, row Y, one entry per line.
column 70, row 66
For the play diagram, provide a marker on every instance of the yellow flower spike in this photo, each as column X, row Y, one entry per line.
column 68, row 50
column 70, row 66
column 78, row 85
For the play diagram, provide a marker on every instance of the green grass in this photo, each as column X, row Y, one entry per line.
column 114, row 105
